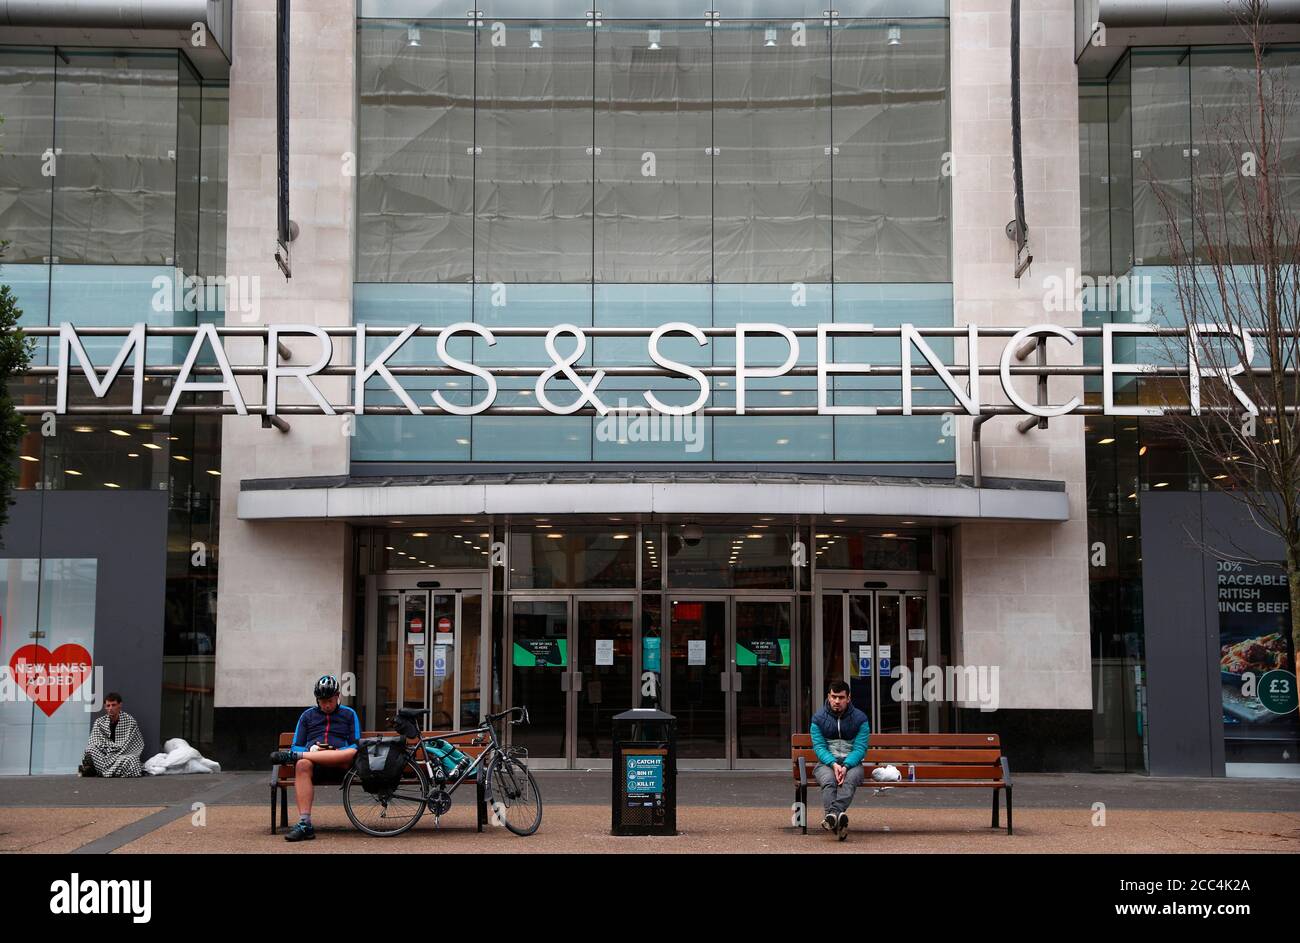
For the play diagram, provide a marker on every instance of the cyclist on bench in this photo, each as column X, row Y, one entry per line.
column 326, row 736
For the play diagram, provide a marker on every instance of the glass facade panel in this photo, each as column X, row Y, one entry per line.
column 739, row 557
column 772, row 170
column 654, row 125
column 563, row 557
column 533, row 176
column 415, row 118
column 891, row 219
column 116, row 126
column 465, row 547
column 26, row 135
column 1162, row 164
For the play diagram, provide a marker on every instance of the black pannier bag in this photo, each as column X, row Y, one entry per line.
column 380, row 762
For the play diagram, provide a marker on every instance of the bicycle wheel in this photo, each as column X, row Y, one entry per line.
column 513, row 796
column 385, row 814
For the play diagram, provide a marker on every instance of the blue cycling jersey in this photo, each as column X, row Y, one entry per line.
column 341, row 728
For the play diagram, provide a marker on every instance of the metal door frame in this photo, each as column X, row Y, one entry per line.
column 666, row 672
column 850, row 582
column 576, row 760
column 566, row 679
column 775, row 596
column 572, row 678
column 450, row 583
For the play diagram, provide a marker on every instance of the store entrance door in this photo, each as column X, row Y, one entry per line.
column 423, row 649
column 865, row 635
column 729, row 679
column 571, row 666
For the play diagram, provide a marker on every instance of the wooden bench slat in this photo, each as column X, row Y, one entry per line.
column 933, row 756
column 918, row 740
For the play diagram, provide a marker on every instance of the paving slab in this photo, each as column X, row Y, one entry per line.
column 63, row 829
column 579, row 828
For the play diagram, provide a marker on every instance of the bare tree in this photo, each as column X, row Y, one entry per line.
column 1234, row 242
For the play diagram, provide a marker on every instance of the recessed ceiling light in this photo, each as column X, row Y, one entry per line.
column 214, row 473
column 555, row 536
column 420, row 533
column 1106, row 441
column 1161, row 484
column 150, row 445
column 83, row 428
column 29, row 458
column 72, row 471
column 109, row 484
column 121, row 432
column 180, row 458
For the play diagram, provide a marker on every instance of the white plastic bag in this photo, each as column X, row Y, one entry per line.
column 179, row 758
column 886, row 774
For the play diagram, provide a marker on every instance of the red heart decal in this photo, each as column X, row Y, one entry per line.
column 50, row 678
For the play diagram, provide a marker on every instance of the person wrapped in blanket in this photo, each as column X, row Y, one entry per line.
column 115, row 745
column 326, row 736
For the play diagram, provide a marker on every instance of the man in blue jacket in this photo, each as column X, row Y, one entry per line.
column 326, row 736
column 839, row 738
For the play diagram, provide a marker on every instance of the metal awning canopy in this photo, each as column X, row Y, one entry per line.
column 703, row 493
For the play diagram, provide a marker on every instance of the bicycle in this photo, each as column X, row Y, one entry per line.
column 512, row 794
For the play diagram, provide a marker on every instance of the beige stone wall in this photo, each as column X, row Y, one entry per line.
column 1021, row 600
column 282, row 588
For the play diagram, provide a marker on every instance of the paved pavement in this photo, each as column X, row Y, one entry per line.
column 719, row 811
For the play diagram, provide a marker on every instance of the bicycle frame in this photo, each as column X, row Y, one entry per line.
column 482, row 760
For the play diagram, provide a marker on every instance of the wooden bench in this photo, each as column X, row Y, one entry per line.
column 282, row 776
column 962, row 760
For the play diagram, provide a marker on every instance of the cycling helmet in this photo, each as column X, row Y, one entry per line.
column 326, row 686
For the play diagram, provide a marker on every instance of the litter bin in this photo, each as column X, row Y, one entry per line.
column 644, row 794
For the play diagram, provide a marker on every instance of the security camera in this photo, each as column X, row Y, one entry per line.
column 692, row 534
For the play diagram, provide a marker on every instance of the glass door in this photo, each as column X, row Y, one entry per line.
column 699, row 677
column 541, row 675
column 423, row 643
column 881, row 630
column 762, row 679
column 603, row 681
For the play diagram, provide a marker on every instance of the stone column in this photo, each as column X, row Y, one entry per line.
column 1021, row 597
column 284, row 599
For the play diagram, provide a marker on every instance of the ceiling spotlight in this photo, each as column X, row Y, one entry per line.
column 534, row 38
column 413, row 37
column 895, row 35
column 654, row 39
column 769, row 37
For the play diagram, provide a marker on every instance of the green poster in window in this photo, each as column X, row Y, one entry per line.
column 774, row 652
column 541, row 653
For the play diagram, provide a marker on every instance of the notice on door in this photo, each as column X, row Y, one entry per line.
column 885, row 660
column 864, row 660
column 417, row 661
column 763, row 651
column 695, row 652
column 541, row 653
column 444, row 635
column 440, row 661
column 604, row 651
column 859, row 635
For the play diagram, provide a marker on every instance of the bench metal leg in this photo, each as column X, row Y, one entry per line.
column 284, row 806
column 995, row 809
column 1008, row 810
column 480, row 802
column 273, row 808
column 801, row 797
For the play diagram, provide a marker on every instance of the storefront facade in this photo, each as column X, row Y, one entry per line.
column 612, row 171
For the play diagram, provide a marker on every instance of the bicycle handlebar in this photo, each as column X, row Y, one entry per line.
column 522, row 711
